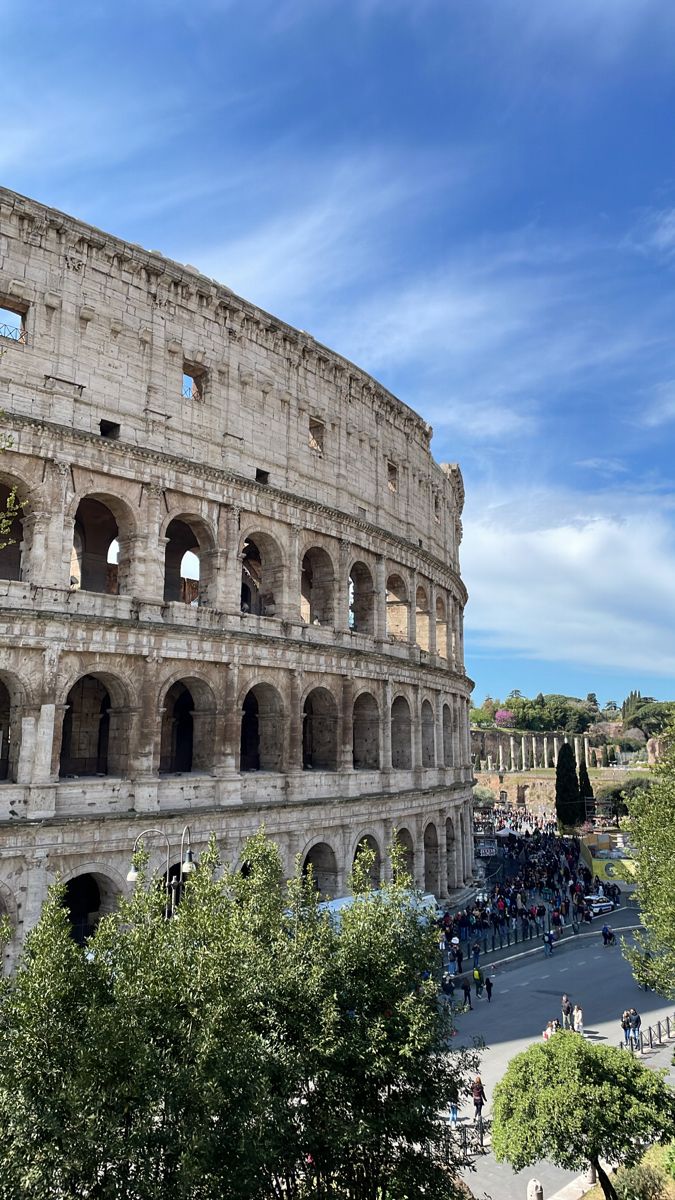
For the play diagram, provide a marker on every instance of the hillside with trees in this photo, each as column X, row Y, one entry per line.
column 629, row 725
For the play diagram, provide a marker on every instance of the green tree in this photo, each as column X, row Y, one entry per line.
column 249, row 1047
column 592, row 701
column 652, row 832
column 585, row 789
column 605, row 755
column 653, row 718
column 574, row 1103
column 567, row 799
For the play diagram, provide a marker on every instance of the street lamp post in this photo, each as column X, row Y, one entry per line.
column 186, row 865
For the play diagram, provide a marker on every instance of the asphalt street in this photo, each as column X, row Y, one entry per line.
column 527, row 994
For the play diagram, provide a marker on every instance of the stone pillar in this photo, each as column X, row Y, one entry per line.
column 380, row 598
column 545, row 762
column 534, row 753
column 385, row 727
column 146, row 731
column 501, row 757
column 412, row 610
column 59, row 543
column 27, row 743
column 228, row 579
column 346, row 750
column 438, row 730
column 37, row 884
column 556, row 747
column 442, row 857
column 342, row 587
column 432, row 618
column 294, row 743
column 147, row 566
column 577, row 750
column 512, row 752
column 523, row 752
column 231, row 727
column 456, row 734
column 293, row 581
column 587, row 750
column 417, row 728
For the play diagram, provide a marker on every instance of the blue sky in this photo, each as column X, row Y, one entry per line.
column 475, row 202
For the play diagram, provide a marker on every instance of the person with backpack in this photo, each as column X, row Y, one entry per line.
column 479, row 1098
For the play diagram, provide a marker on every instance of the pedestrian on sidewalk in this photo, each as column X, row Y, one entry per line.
column 475, row 950
column 488, row 988
column 625, row 1025
column 635, row 1023
column 566, row 1008
column 578, row 1019
column 460, row 958
column 478, row 981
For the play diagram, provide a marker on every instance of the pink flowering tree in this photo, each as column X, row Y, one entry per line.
column 504, row 718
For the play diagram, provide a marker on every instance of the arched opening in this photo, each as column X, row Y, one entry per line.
column 366, row 733
column 92, row 742
column 262, row 730
column 187, row 570
column 177, row 737
column 422, row 618
column 317, row 585
column 451, row 864
column 407, row 847
column 397, row 608
column 96, row 564
column 88, row 897
column 12, row 538
column 375, row 872
column 431, row 859
column 261, row 576
column 324, row 869
column 441, row 628
column 8, row 751
column 428, row 736
column 447, row 736
column 401, row 735
column 361, row 619
column 319, row 731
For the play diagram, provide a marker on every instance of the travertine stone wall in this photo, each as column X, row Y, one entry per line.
column 312, row 676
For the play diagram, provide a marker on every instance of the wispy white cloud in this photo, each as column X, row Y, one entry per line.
column 608, row 467
column 659, row 407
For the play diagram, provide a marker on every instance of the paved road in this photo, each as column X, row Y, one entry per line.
column 526, row 995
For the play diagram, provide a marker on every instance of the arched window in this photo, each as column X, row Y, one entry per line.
column 441, row 628
column 405, row 842
column 11, row 540
column 187, row 565
column 366, row 733
column 361, row 618
column 431, row 859
column 321, row 859
column 177, row 731
column 397, row 608
column 428, row 736
column 86, row 740
column 447, row 736
column 319, row 731
column 401, row 739
column 261, row 576
column 369, row 843
column 5, row 732
column 317, row 588
column 422, row 618
column 262, row 730
column 88, row 897
column 94, row 565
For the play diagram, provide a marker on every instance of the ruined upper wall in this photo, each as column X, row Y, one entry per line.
column 111, row 328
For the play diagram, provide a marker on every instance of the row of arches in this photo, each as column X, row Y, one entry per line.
column 328, row 593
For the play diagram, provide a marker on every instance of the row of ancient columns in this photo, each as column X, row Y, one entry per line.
column 524, row 753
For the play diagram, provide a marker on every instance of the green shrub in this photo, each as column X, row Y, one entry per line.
column 640, row 1183
column 669, row 1157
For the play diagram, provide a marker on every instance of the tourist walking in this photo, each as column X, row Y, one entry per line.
column 625, row 1025
column 578, row 1019
column 479, row 1098
column 566, row 1009
column 475, row 950
column 635, row 1023
column 488, row 988
column 466, row 988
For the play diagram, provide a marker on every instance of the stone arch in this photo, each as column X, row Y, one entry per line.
column 431, row 873
column 96, row 727
column 405, row 840
column 397, row 608
column 401, row 735
column 187, row 726
column 422, row 616
column 317, row 587
column 448, row 760
column 428, row 735
column 441, row 627
column 13, row 697
column 319, row 731
column 91, row 893
column 190, row 544
column 366, row 733
column 361, row 599
column 262, row 575
column 321, row 858
column 103, row 530
column 368, row 841
column 262, row 729
column 451, row 850
column 11, row 543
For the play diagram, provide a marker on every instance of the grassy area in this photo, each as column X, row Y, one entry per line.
column 654, row 1157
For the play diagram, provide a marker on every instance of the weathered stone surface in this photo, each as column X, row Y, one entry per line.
column 312, row 678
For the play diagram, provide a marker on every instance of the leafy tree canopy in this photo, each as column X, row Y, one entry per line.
column 573, row 1102
column 247, row 1048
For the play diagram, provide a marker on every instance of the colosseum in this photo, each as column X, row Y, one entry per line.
column 231, row 595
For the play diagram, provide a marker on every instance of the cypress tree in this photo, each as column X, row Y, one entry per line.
column 605, row 756
column 567, row 799
column 585, row 789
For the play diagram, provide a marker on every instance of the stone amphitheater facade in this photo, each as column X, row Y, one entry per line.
column 311, row 678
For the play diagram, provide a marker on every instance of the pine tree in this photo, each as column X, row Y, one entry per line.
column 567, row 799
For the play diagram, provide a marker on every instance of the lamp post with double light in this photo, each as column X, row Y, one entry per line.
column 186, row 865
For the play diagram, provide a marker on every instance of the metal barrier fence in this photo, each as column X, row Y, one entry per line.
column 654, row 1035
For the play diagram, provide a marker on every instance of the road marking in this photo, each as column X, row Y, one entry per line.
column 544, row 976
column 503, row 991
column 581, row 962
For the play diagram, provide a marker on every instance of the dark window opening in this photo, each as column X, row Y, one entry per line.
column 392, row 477
column 177, row 731
column 109, row 429
column 261, row 476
